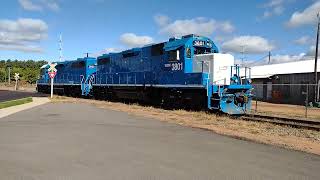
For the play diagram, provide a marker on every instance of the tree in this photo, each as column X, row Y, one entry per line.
column 29, row 70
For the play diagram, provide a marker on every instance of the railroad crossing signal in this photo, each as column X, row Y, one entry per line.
column 52, row 71
column 52, row 74
column 16, row 76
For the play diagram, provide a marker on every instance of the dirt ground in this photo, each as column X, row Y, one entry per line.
column 262, row 132
column 286, row 110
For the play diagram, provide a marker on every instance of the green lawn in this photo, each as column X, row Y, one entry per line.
column 15, row 102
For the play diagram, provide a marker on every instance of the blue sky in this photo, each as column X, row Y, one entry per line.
column 29, row 29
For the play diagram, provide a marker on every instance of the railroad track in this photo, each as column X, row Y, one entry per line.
column 298, row 123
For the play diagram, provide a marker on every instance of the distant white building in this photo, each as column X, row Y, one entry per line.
column 285, row 82
column 265, row 71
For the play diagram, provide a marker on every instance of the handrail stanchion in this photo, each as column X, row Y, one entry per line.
column 231, row 71
column 135, row 79
column 245, row 72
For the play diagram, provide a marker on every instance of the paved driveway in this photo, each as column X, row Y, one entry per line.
column 11, row 95
column 78, row 141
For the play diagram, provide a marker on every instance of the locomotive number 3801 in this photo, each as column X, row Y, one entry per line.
column 176, row 66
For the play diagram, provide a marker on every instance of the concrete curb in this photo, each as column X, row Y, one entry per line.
column 36, row 101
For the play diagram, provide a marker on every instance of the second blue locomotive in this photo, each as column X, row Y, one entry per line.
column 183, row 73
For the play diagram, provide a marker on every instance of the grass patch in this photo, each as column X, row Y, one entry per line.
column 15, row 102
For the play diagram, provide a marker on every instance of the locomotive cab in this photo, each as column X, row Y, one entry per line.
column 227, row 90
column 195, row 62
column 43, row 78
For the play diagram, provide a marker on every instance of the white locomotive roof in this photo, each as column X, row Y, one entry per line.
column 44, row 66
column 264, row 71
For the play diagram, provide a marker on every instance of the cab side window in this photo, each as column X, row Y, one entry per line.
column 174, row 55
column 157, row 50
column 188, row 52
column 78, row 65
column 104, row 61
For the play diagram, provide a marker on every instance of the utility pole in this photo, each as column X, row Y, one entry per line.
column 9, row 69
column 316, row 61
column 5, row 71
column 269, row 55
column 242, row 52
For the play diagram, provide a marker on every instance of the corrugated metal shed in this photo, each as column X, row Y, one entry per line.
column 264, row 71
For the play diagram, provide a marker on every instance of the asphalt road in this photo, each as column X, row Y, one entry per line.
column 12, row 95
column 77, row 141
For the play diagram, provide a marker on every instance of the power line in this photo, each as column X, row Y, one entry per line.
column 259, row 60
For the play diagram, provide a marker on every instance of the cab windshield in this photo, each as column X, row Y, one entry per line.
column 201, row 50
column 42, row 71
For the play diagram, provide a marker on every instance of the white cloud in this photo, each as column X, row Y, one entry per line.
column 275, row 11
column 161, row 20
column 274, row 3
column 299, row 57
column 275, row 59
column 304, row 40
column 278, row 10
column 112, row 50
column 306, row 17
column 132, row 40
column 267, row 14
column 248, row 44
column 312, row 51
column 274, row 8
column 200, row 25
column 226, row 26
column 106, row 51
column 20, row 35
column 39, row 5
column 29, row 5
column 53, row 5
column 22, row 48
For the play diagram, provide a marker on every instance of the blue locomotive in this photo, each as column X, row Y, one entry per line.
column 183, row 73
column 74, row 78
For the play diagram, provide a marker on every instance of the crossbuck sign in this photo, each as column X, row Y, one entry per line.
column 16, row 76
column 52, row 71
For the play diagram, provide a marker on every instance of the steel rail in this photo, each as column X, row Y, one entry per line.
column 297, row 123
